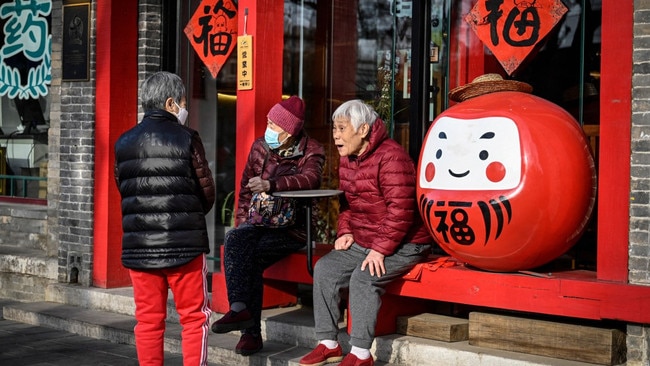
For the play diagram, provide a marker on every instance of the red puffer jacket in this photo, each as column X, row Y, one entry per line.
column 380, row 209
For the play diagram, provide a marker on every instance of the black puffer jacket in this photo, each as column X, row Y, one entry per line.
column 166, row 188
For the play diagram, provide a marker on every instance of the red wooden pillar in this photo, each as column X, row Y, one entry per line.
column 266, row 25
column 115, row 112
column 615, row 128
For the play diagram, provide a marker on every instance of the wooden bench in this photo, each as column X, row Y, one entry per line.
column 281, row 282
column 445, row 280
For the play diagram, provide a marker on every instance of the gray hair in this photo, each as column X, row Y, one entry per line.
column 155, row 90
column 357, row 112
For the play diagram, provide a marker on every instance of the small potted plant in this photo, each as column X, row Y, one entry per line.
column 228, row 211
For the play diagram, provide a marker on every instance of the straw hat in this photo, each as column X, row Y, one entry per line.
column 487, row 83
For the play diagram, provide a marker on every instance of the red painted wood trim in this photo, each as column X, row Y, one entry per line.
column 24, row 200
column 576, row 294
column 115, row 112
column 294, row 267
column 615, row 126
column 253, row 105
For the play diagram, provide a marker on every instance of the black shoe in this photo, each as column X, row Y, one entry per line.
column 233, row 320
column 249, row 344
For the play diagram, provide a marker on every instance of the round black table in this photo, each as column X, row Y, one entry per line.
column 304, row 198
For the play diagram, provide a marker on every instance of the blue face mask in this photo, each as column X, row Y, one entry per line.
column 272, row 138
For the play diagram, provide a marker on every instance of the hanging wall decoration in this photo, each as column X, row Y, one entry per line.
column 76, row 42
column 26, row 50
column 212, row 31
column 512, row 28
column 245, row 58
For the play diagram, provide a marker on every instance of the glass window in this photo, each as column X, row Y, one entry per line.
column 212, row 112
column 339, row 50
column 563, row 68
column 25, row 76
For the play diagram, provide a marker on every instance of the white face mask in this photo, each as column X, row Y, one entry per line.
column 182, row 114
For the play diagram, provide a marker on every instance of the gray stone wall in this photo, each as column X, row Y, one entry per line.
column 54, row 135
column 72, row 148
column 23, row 227
column 24, row 269
column 638, row 336
column 76, row 183
column 639, row 253
column 150, row 40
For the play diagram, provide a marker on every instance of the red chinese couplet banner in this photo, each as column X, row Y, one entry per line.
column 512, row 28
column 212, row 31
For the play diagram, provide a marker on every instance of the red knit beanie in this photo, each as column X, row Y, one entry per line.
column 289, row 115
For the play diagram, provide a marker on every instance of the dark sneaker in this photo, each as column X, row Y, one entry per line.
column 322, row 355
column 233, row 320
column 352, row 360
column 249, row 344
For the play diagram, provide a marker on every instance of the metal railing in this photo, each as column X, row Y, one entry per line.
column 17, row 185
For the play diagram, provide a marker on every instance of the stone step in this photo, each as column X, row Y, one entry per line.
column 25, row 272
column 288, row 333
column 23, row 226
column 118, row 328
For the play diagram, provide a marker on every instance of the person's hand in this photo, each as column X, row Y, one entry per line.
column 343, row 242
column 258, row 185
column 375, row 263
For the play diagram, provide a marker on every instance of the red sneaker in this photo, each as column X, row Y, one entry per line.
column 233, row 321
column 322, row 355
column 352, row 360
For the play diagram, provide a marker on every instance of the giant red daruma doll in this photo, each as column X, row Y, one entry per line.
column 506, row 180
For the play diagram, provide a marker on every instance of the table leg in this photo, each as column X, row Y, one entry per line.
column 310, row 267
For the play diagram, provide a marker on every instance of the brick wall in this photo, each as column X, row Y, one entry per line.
column 150, row 40
column 72, row 145
column 24, row 271
column 54, row 135
column 76, row 183
column 638, row 336
column 23, row 226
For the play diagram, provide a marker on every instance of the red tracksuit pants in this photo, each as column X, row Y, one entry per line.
column 188, row 284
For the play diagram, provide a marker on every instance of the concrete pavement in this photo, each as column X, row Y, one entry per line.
column 95, row 327
column 31, row 345
column 24, row 344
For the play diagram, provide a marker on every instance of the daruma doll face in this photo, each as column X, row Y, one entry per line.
column 506, row 181
column 472, row 154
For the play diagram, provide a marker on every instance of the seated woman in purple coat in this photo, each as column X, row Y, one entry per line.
column 284, row 159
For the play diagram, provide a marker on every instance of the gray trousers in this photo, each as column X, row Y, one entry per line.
column 341, row 269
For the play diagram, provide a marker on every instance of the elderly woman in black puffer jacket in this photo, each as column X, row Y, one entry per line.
column 166, row 188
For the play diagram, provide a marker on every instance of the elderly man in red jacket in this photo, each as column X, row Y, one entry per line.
column 380, row 233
